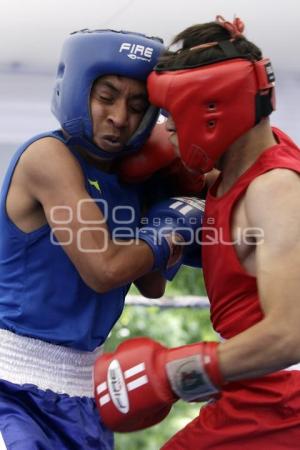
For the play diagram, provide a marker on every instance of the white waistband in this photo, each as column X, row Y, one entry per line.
column 63, row 370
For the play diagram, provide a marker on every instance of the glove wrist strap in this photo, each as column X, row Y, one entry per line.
column 159, row 246
column 211, row 363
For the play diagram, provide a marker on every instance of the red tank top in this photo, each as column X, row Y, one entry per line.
column 231, row 290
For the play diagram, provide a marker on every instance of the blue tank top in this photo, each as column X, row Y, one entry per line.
column 41, row 293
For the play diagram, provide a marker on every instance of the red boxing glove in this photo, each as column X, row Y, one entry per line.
column 182, row 181
column 158, row 154
column 136, row 385
column 155, row 154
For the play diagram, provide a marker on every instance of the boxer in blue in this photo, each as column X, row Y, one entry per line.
column 64, row 265
column 62, row 285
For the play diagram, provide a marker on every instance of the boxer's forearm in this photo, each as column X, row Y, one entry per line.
column 260, row 350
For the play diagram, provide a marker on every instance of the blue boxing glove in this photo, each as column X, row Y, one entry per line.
column 175, row 221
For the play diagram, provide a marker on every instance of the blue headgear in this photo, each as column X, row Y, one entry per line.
column 87, row 55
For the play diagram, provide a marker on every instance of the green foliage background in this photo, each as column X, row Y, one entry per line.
column 172, row 327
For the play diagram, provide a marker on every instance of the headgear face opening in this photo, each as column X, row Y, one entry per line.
column 88, row 55
column 213, row 105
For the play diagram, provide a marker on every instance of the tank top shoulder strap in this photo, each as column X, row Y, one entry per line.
column 284, row 155
column 57, row 134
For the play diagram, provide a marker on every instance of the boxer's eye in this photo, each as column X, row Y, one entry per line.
column 138, row 106
column 106, row 99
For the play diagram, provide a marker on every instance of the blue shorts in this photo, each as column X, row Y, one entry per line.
column 33, row 419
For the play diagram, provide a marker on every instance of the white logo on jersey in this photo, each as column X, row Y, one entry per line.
column 136, row 51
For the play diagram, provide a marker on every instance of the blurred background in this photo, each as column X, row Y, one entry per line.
column 31, row 36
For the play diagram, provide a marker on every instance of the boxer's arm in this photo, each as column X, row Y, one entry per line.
column 272, row 204
column 54, row 178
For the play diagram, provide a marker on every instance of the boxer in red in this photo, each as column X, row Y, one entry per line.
column 219, row 91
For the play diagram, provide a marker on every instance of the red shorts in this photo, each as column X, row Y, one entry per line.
column 253, row 415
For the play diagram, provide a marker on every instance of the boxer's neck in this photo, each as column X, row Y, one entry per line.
column 243, row 153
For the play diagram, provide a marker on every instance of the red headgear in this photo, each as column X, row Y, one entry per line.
column 213, row 104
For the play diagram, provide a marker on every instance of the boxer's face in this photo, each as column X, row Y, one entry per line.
column 117, row 107
column 173, row 138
